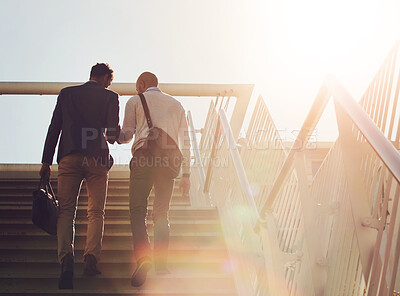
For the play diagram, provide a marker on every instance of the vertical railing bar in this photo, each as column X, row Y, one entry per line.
column 384, row 94
column 370, row 108
column 375, row 113
column 227, row 103
column 280, row 204
column 381, row 273
column 340, row 229
column 382, row 80
column 291, row 209
column 369, row 97
column 295, row 222
column 372, row 186
column 196, row 149
column 395, row 102
column 389, row 91
column 288, row 217
column 251, row 124
column 352, row 267
column 202, row 139
column 392, row 225
column 281, row 221
column 264, row 130
column 397, row 140
column 286, row 205
column 262, row 127
column 366, row 97
column 360, row 281
column 347, row 233
column 280, row 211
column 258, row 126
column 212, row 156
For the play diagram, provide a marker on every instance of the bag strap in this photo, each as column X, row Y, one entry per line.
column 146, row 110
column 46, row 189
column 53, row 196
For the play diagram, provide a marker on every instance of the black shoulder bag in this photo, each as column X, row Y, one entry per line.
column 162, row 147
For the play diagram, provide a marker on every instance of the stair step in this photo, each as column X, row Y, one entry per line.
column 24, row 226
column 47, row 242
column 25, row 191
column 206, row 256
column 110, row 270
column 153, row 282
column 115, row 211
column 172, row 291
column 83, row 202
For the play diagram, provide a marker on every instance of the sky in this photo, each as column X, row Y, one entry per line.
column 284, row 47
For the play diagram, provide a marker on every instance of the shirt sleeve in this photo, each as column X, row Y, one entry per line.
column 184, row 143
column 53, row 133
column 129, row 125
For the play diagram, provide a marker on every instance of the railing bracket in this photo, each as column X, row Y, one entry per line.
column 371, row 223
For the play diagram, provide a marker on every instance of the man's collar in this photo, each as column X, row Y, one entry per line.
column 153, row 88
column 94, row 82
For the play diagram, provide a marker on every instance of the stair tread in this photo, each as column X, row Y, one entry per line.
column 119, row 207
column 117, row 221
column 40, row 234
column 173, row 292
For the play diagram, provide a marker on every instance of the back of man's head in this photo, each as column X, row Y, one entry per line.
column 101, row 69
column 146, row 80
column 149, row 78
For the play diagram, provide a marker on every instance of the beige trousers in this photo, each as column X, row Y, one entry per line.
column 72, row 169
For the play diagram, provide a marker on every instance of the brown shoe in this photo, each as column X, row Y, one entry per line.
column 67, row 272
column 90, row 267
column 140, row 274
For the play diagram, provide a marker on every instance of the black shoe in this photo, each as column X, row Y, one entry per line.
column 67, row 272
column 90, row 267
column 140, row 274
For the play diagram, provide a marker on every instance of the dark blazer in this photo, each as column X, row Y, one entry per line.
column 82, row 114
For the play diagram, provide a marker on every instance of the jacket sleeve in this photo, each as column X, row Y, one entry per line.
column 53, row 133
column 184, row 143
column 113, row 128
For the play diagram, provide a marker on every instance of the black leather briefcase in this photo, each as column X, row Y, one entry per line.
column 45, row 209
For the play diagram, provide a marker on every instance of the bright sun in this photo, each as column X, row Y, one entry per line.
column 330, row 29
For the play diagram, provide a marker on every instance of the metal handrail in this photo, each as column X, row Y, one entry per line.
column 196, row 150
column 332, row 88
column 379, row 143
column 127, row 88
column 238, row 164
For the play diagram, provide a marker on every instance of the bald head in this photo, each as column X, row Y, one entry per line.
column 146, row 80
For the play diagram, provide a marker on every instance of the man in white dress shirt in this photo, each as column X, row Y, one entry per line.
column 168, row 114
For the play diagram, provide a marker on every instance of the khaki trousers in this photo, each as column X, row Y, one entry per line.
column 144, row 175
column 72, row 169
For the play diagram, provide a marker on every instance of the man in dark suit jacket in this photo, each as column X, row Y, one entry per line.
column 87, row 116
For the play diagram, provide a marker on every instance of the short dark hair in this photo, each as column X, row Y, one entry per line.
column 101, row 69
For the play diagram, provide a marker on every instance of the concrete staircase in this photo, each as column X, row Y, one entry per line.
column 198, row 258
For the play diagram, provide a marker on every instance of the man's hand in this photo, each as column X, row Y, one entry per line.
column 45, row 173
column 184, row 185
